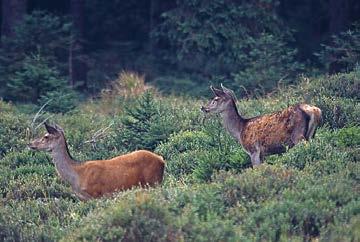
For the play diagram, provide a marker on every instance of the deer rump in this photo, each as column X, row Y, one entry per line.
column 139, row 168
column 273, row 133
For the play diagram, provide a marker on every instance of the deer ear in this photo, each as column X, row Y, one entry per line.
column 228, row 92
column 58, row 128
column 216, row 91
column 50, row 129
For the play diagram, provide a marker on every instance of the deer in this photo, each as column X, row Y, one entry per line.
column 98, row 178
column 265, row 134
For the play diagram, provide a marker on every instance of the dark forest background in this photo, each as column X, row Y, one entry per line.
column 49, row 48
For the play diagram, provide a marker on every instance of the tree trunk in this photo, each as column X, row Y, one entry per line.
column 13, row 12
column 77, row 59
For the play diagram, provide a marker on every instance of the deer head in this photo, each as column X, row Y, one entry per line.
column 51, row 140
column 223, row 100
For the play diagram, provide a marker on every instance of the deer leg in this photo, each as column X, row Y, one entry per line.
column 82, row 195
column 256, row 157
column 298, row 135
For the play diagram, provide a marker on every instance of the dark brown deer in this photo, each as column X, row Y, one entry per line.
column 96, row 178
column 267, row 134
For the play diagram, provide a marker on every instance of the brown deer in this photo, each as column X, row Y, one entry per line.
column 96, row 178
column 267, row 134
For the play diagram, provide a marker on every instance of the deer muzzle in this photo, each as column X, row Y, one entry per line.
column 204, row 109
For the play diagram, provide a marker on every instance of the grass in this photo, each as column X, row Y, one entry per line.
column 209, row 194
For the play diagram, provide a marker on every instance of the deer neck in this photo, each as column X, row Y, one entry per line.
column 64, row 164
column 232, row 121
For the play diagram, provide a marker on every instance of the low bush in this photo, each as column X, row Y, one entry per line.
column 13, row 129
column 185, row 141
column 343, row 85
column 320, row 154
column 255, row 186
column 133, row 218
column 200, row 153
column 59, row 101
column 338, row 112
column 302, row 211
column 41, row 219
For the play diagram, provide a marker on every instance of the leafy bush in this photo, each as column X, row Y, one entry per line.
column 12, row 132
column 267, row 68
column 345, row 85
column 59, row 101
column 206, row 39
column 40, row 220
column 253, row 187
column 349, row 139
column 338, row 112
column 342, row 53
column 336, row 95
column 302, row 212
column 185, row 141
column 33, row 60
column 135, row 218
column 33, row 79
column 200, row 153
column 320, row 155
column 147, row 122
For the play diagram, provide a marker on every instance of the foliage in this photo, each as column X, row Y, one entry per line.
column 207, row 39
column 310, row 192
column 35, row 51
column 59, row 101
column 198, row 154
column 35, row 80
column 336, row 95
column 137, row 124
column 148, row 121
column 343, row 52
column 12, row 132
column 344, row 85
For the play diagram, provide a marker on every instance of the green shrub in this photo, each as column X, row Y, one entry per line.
column 185, row 141
column 255, row 186
column 33, row 61
column 210, row 161
column 30, row 175
column 149, row 121
column 59, row 101
column 133, row 218
column 214, row 228
column 34, row 79
column 342, row 53
column 342, row 231
column 349, row 137
column 345, row 85
column 137, row 124
column 216, row 44
column 13, row 129
column 40, row 220
column 200, row 153
column 302, row 211
column 320, row 155
column 339, row 112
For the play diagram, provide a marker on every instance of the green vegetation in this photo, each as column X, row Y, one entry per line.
column 60, row 61
column 209, row 193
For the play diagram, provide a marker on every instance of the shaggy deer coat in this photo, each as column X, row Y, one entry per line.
column 266, row 134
